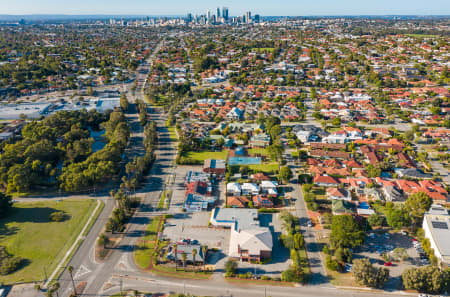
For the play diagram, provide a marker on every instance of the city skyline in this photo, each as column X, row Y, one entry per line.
column 237, row 8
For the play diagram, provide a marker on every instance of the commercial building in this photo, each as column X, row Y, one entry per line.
column 436, row 225
column 248, row 240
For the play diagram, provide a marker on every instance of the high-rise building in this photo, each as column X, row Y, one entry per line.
column 218, row 12
column 208, row 16
column 189, row 17
column 248, row 17
column 225, row 13
column 256, row 18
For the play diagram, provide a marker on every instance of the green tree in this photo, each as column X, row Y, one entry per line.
column 368, row 275
column 285, row 174
column 376, row 220
column 5, row 204
column 343, row 255
column 124, row 102
column 398, row 218
column 428, row 279
column 345, row 232
column 416, row 205
column 230, row 267
column 103, row 240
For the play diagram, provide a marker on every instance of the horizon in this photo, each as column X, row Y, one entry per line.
column 236, row 8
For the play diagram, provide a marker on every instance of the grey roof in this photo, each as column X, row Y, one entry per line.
column 439, row 225
column 245, row 218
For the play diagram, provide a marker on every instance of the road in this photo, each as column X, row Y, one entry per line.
column 85, row 267
column 318, row 273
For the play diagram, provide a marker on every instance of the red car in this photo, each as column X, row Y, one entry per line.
column 387, row 264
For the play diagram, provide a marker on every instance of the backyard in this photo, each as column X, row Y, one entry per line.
column 30, row 234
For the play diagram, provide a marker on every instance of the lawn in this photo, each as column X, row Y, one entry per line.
column 422, row 35
column 144, row 251
column 258, row 151
column 28, row 233
column 202, row 156
column 172, row 134
column 263, row 49
column 266, row 168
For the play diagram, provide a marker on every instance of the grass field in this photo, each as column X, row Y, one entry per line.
column 258, row 151
column 143, row 253
column 263, row 49
column 202, row 156
column 421, row 35
column 28, row 233
column 266, row 168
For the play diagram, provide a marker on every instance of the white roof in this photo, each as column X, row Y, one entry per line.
column 269, row 184
column 254, row 240
column 250, row 186
column 233, row 187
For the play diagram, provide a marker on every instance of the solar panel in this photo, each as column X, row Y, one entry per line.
column 439, row 225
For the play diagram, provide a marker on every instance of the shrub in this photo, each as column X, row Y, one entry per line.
column 8, row 263
column 331, row 264
column 313, row 206
column 58, row 216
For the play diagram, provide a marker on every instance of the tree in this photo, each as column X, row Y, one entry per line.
column 275, row 132
column 299, row 241
column 368, row 275
column 416, row 205
column 176, row 256
column 230, row 267
column 124, row 102
column 428, row 279
column 70, row 269
column 345, row 232
column 183, row 258
column 5, row 204
column 275, row 151
column 397, row 218
column 204, row 251
column 103, row 240
column 194, row 254
column 375, row 220
column 285, row 174
column 343, row 255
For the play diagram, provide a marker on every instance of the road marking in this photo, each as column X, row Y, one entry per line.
column 69, row 252
column 83, row 270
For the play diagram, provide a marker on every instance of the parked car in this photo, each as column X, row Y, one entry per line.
column 387, row 264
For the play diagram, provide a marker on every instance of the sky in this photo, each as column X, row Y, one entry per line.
column 236, row 7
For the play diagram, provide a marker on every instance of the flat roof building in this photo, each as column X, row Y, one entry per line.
column 436, row 224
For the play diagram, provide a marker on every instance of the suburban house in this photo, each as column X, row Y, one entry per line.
column 338, row 194
column 250, row 189
column 234, row 189
column 261, row 140
column 340, row 207
column 248, row 240
column 269, row 187
column 262, row 201
column 237, row 201
column 393, row 194
column 235, row 114
column 436, row 225
column 325, row 181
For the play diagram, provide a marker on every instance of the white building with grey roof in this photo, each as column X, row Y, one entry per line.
column 436, row 224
